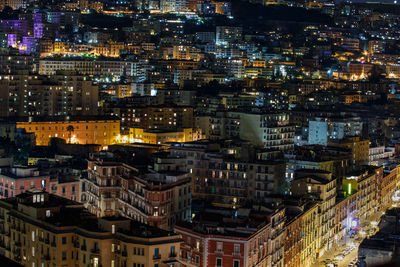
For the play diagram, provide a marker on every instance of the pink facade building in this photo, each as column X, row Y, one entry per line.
column 16, row 180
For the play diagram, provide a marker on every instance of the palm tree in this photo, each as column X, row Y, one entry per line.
column 70, row 129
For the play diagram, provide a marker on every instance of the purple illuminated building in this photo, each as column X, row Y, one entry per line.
column 38, row 30
column 28, row 45
column 12, row 39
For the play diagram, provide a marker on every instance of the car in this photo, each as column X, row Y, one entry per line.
column 339, row 257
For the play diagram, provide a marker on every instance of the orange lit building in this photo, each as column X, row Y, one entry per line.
column 96, row 130
column 350, row 98
column 359, row 149
column 163, row 136
column 259, row 63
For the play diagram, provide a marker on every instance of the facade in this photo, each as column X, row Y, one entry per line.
column 359, row 148
column 163, row 136
column 158, row 199
column 322, row 186
column 90, row 67
column 66, row 186
column 321, row 130
column 90, row 130
column 40, row 229
column 364, row 184
column 60, row 95
column 376, row 154
column 345, row 215
column 16, row 180
column 244, row 243
column 301, row 235
column 227, row 34
column 162, row 117
column 223, row 179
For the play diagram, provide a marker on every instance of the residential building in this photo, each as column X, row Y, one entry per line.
column 363, row 183
column 301, row 244
column 227, row 34
column 41, row 229
column 159, row 136
column 359, row 148
column 321, row 130
column 226, row 179
column 155, row 198
column 248, row 240
column 322, row 186
column 32, row 95
column 16, row 180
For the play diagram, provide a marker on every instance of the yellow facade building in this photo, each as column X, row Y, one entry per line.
column 99, row 131
column 40, row 229
column 139, row 135
column 359, row 149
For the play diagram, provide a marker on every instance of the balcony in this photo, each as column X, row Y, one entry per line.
column 172, row 255
column 236, row 254
column 53, row 244
column 219, row 251
column 46, row 257
column 83, row 247
column 46, row 241
column 124, row 253
column 95, row 250
column 157, row 257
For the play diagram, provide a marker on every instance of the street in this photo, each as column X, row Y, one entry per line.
column 341, row 254
column 345, row 251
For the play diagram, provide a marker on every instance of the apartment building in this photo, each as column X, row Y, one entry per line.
column 51, row 66
column 157, row 117
column 269, row 130
column 41, row 229
column 364, row 184
column 256, row 240
column 224, row 179
column 159, row 136
column 24, row 94
column 155, row 198
column 321, row 185
column 16, row 180
column 301, row 235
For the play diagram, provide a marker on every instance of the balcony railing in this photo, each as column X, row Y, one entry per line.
column 157, row 257
column 95, row 250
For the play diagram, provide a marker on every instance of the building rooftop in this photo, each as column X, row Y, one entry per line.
column 71, row 216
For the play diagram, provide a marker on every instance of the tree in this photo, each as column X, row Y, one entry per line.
column 70, row 129
column 54, row 141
